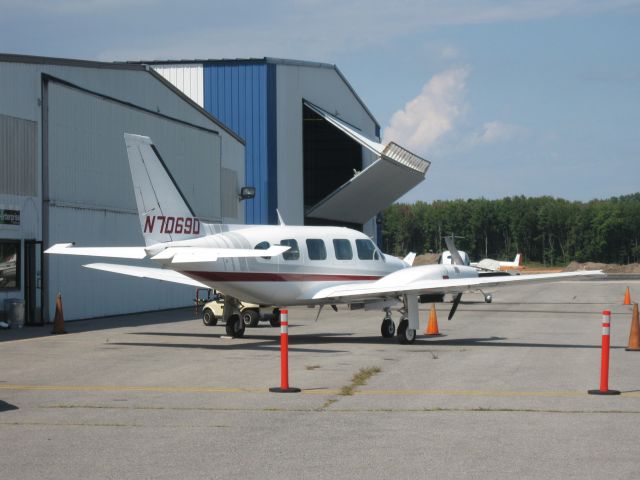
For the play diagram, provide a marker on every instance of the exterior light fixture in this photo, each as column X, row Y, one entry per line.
column 247, row 193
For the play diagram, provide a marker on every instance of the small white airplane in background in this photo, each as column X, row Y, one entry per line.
column 498, row 265
column 279, row 265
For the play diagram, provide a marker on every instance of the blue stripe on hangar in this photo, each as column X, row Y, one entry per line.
column 243, row 96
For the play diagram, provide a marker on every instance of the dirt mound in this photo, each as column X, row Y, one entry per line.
column 426, row 259
column 633, row 268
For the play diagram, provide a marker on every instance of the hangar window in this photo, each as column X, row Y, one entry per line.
column 316, row 249
column 294, row 252
column 9, row 265
column 263, row 246
column 343, row 249
column 366, row 250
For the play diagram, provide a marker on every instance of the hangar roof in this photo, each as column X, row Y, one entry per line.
column 70, row 62
column 265, row 60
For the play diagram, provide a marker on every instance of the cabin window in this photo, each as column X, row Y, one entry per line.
column 366, row 250
column 294, row 252
column 316, row 249
column 263, row 246
column 343, row 249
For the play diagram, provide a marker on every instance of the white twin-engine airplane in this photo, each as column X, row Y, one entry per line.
column 279, row 265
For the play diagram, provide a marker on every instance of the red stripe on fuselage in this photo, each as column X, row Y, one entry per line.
column 277, row 277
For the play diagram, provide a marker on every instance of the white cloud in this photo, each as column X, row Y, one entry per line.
column 496, row 131
column 449, row 52
column 432, row 114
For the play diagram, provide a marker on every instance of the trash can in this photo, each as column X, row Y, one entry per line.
column 14, row 309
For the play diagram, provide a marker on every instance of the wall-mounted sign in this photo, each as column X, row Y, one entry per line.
column 9, row 217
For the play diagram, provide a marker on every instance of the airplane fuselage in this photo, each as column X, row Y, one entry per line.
column 319, row 257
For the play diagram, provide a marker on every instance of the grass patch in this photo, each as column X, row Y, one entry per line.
column 359, row 379
column 312, row 367
column 328, row 403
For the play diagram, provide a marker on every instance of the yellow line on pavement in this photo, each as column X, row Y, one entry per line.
column 110, row 388
column 315, row 391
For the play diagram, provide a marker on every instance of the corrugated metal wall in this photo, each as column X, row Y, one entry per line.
column 18, row 147
column 187, row 77
column 91, row 198
column 241, row 96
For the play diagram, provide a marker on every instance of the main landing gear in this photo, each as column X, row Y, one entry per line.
column 405, row 334
column 388, row 328
column 235, row 326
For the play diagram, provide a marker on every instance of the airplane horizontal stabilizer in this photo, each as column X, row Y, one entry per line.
column 384, row 288
column 147, row 272
column 200, row 254
column 111, row 252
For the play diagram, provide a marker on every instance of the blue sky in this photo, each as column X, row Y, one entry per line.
column 505, row 98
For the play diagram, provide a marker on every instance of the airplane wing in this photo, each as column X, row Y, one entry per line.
column 112, row 252
column 176, row 254
column 204, row 254
column 381, row 289
column 147, row 272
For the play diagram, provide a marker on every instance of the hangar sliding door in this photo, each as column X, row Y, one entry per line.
column 88, row 194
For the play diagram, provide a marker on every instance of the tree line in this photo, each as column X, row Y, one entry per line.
column 547, row 230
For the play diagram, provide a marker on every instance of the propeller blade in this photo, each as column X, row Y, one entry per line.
column 456, row 302
column 455, row 253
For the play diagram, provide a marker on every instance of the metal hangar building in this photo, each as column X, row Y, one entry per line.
column 64, row 177
column 296, row 131
column 311, row 141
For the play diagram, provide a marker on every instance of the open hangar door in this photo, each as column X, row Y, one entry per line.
column 337, row 187
column 330, row 159
column 88, row 194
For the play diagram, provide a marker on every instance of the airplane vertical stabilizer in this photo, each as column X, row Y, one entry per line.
column 164, row 212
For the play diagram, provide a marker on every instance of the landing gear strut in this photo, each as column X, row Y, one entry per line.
column 406, row 335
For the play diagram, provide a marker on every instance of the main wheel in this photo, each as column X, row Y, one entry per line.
column 488, row 298
column 388, row 328
column 209, row 318
column 235, row 327
column 406, row 335
column 250, row 318
column 275, row 319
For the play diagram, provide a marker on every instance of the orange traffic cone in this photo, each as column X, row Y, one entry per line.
column 627, row 297
column 634, row 335
column 432, row 326
column 58, row 320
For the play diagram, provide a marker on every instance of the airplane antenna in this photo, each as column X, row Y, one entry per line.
column 280, row 220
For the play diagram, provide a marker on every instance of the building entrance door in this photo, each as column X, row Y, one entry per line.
column 33, row 282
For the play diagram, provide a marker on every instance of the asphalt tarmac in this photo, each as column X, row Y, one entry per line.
column 502, row 394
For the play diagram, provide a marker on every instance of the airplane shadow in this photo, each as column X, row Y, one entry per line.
column 498, row 342
column 5, row 407
column 296, row 342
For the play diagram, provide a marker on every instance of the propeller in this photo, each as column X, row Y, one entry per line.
column 456, row 302
column 455, row 254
